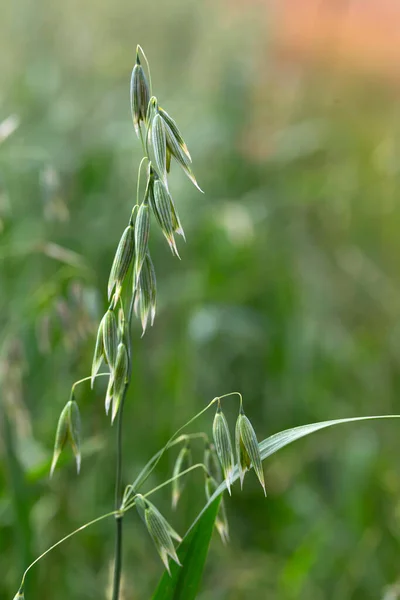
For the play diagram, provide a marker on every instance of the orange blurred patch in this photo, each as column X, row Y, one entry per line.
column 362, row 34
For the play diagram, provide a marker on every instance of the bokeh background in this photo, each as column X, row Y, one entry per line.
column 288, row 289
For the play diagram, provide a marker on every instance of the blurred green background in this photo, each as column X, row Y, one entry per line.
column 288, row 290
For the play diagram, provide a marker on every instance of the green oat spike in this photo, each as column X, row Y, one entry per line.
column 98, row 353
column 142, row 233
column 221, row 522
column 164, row 214
column 158, row 145
column 247, row 449
column 145, row 294
column 175, row 148
column 159, row 529
column 175, row 131
column 223, row 445
column 139, row 95
column 110, row 338
column 122, row 260
column 182, row 462
column 176, row 145
column 120, row 375
column 68, row 429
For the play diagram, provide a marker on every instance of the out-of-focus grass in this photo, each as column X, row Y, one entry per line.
column 288, row 290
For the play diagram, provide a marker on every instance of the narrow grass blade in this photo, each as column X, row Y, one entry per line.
column 279, row 440
column 139, row 95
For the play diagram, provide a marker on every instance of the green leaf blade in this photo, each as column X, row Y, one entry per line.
column 279, row 440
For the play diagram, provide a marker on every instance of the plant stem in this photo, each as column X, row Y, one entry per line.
column 64, row 539
column 118, row 499
column 118, row 476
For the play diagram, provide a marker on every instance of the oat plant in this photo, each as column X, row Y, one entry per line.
column 222, row 457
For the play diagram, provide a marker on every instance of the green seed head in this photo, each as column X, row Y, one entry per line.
column 146, row 293
column 175, row 131
column 164, row 211
column 175, row 144
column 122, row 261
column 159, row 529
column 68, row 429
column 176, row 148
column 247, row 449
column 223, row 446
column 139, row 95
column 158, row 147
column 110, row 338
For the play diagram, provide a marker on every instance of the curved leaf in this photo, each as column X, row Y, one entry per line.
column 280, row 440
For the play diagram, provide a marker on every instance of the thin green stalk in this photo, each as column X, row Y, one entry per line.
column 118, row 476
column 130, row 489
column 131, row 504
column 151, row 465
column 64, row 539
column 172, row 479
column 87, row 379
column 232, row 394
